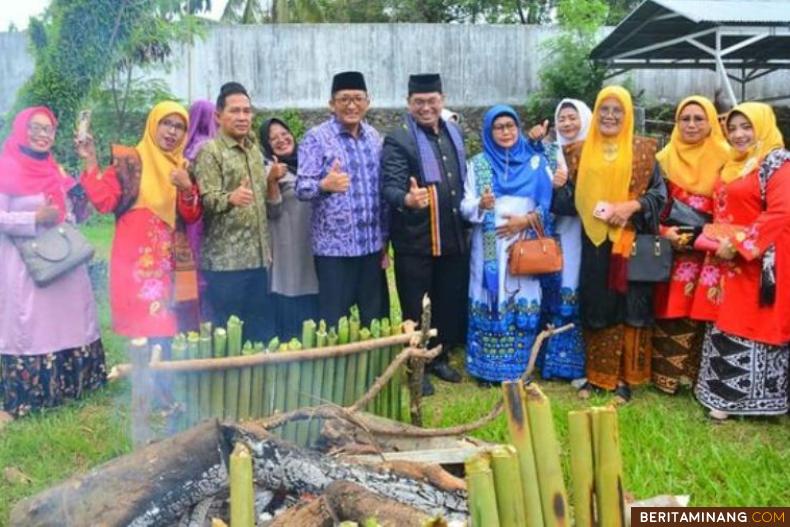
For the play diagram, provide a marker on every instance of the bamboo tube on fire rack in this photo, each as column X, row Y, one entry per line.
column 582, row 475
column 218, row 376
column 257, row 392
column 292, row 391
column 507, row 483
column 397, row 408
column 327, row 376
column 608, row 468
column 383, row 399
column 233, row 375
column 245, row 385
column 307, row 380
column 278, row 377
column 205, row 377
column 193, row 380
column 553, row 496
column 354, row 325
column 269, row 384
column 481, row 494
column 343, row 337
column 361, row 384
column 242, row 492
column 178, row 351
column 518, row 425
column 374, row 363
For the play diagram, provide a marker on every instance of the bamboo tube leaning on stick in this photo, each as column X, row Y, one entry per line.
column 374, row 361
column 245, row 386
column 361, row 385
column 608, row 468
column 507, row 483
column 292, row 390
column 193, row 380
column 382, row 406
column 218, row 376
column 279, row 374
column 343, row 337
column 400, row 411
column 307, row 380
column 178, row 351
column 520, row 437
column 553, row 497
column 242, row 493
column 257, row 393
column 269, row 383
column 354, row 325
column 327, row 378
column 232, row 375
column 582, row 475
column 205, row 377
column 480, row 487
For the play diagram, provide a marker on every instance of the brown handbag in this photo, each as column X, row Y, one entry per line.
column 541, row 255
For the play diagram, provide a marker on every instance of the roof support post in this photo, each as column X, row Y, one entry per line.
column 722, row 71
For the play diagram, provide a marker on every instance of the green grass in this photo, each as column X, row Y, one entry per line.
column 669, row 447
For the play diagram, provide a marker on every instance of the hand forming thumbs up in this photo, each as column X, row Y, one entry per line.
column 277, row 170
column 539, row 131
column 336, row 180
column 242, row 196
column 417, row 197
column 487, row 200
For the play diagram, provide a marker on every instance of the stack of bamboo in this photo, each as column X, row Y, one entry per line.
column 262, row 390
column 523, row 485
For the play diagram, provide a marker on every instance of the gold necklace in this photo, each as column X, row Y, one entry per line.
column 610, row 151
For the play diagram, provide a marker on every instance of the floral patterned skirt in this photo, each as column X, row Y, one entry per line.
column 29, row 383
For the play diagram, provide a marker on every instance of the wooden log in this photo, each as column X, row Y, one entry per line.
column 141, row 392
column 242, row 492
column 155, row 485
column 518, row 425
column 218, row 376
column 507, row 483
column 582, row 474
column 609, row 496
column 482, row 496
column 553, row 496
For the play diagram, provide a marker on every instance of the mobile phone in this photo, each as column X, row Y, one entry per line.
column 83, row 125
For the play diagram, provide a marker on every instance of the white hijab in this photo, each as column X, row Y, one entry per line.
column 585, row 116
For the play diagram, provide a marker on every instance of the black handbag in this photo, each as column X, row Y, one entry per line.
column 681, row 214
column 651, row 256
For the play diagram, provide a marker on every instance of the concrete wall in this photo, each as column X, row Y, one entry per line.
column 291, row 65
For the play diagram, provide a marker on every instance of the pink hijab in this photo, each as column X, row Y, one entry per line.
column 22, row 174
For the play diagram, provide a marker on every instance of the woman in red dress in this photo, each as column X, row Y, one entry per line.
column 691, row 162
column 744, row 367
column 146, row 187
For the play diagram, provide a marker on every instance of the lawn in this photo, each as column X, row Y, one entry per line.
column 669, row 446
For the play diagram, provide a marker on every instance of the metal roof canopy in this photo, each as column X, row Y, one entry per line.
column 752, row 36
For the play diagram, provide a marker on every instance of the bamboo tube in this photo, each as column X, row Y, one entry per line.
column 361, row 384
column 193, row 380
column 217, row 522
column 383, row 400
column 507, row 483
column 480, row 487
column 582, row 475
column 269, row 384
column 608, row 468
column 399, row 408
column 339, row 386
column 242, row 492
column 520, row 438
column 292, row 391
column 218, row 376
column 280, row 380
column 205, row 377
column 327, row 371
column 307, row 380
column 245, row 385
column 553, row 496
column 256, row 392
column 374, row 362
column 233, row 375
column 351, row 364
column 178, row 350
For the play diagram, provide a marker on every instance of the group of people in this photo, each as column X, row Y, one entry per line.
column 214, row 219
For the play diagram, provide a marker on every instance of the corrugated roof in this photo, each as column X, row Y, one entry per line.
column 731, row 11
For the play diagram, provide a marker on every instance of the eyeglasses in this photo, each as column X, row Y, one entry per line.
column 420, row 103
column 499, row 128
column 614, row 111
column 173, row 125
column 38, row 129
column 346, row 100
column 686, row 119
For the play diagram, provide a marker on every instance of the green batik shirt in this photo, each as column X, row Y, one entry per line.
column 234, row 238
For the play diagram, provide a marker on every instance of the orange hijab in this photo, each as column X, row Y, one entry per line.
column 605, row 167
column 767, row 138
column 695, row 167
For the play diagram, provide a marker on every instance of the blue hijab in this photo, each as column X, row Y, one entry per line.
column 519, row 170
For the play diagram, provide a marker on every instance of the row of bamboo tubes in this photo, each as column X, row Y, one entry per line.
column 522, row 484
column 255, row 391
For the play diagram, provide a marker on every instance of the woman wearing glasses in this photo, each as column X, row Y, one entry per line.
column 147, row 188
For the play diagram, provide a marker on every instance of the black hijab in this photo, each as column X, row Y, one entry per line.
column 263, row 134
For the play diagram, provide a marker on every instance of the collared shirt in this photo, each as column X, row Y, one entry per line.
column 235, row 238
column 351, row 223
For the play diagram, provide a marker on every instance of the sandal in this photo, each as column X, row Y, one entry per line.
column 622, row 394
column 584, row 391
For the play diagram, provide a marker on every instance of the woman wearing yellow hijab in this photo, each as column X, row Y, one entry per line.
column 619, row 192
column 744, row 367
column 691, row 162
column 147, row 188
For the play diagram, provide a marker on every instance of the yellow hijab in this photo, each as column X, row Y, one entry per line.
column 157, row 193
column 605, row 167
column 695, row 167
column 767, row 137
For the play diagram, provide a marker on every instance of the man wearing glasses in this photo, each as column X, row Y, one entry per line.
column 339, row 174
column 423, row 167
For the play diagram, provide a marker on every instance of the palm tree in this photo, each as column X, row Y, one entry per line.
column 273, row 11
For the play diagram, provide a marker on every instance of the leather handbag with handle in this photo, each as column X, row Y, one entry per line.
column 541, row 255
column 54, row 252
column 651, row 256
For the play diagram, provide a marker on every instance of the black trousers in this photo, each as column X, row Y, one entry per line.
column 349, row 280
column 246, row 295
column 446, row 280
